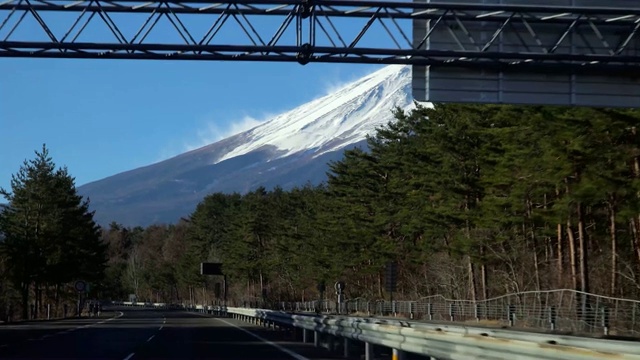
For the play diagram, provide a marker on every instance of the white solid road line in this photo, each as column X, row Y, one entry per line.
column 113, row 318
column 92, row 325
column 130, row 356
column 149, row 339
column 80, row 327
column 283, row 349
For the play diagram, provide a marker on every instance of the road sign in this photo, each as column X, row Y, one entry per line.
column 80, row 286
column 391, row 276
column 321, row 287
column 211, row 268
column 532, row 39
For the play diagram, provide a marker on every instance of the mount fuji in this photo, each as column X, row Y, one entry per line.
column 291, row 149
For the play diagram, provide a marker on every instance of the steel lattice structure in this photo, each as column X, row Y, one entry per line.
column 323, row 31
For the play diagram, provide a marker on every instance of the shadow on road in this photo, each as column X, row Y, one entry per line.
column 168, row 334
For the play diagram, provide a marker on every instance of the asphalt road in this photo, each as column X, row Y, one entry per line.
column 133, row 334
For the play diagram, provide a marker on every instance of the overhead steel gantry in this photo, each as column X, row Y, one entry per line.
column 324, row 31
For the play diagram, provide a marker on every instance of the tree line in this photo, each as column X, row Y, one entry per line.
column 471, row 202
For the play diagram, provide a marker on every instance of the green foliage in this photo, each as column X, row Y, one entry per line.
column 50, row 238
column 469, row 200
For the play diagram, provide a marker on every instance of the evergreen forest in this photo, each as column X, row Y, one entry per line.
column 471, row 202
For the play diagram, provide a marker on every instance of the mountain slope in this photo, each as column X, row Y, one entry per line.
column 288, row 150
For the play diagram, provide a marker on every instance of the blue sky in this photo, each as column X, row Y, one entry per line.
column 102, row 117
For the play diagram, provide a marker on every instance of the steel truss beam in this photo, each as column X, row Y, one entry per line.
column 323, row 31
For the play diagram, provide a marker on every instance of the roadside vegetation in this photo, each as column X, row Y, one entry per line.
column 48, row 240
column 472, row 202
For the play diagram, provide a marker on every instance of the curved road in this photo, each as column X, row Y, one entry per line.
column 133, row 334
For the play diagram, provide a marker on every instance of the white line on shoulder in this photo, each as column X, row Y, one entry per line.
column 130, row 356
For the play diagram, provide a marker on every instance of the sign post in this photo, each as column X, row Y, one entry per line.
column 322, row 287
column 391, row 278
column 81, row 287
column 216, row 269
column 339, row 286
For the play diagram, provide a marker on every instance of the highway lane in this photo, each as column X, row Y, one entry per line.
column 18, row 333
column 194, row 336
column 151, row 334
column 82, row 338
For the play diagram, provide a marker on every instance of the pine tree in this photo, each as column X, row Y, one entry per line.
column 51, row 238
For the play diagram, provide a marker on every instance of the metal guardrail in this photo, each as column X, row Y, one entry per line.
column 441, row 341
column 448, row 341
column 557, row 310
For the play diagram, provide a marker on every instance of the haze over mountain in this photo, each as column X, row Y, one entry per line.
column 288, row 150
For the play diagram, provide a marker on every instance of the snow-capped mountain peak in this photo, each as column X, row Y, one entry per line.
column 291, row 149
column 343, row 117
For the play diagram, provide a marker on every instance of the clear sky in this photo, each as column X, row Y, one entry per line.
column 102, row 117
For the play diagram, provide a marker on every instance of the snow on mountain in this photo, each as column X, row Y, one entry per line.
column 288, row 150
column 345, row 116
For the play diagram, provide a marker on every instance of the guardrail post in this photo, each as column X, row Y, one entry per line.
column 410, row 310
column 605, row 319
column 393, row 308
column 398, row 355
column 368, row 351
column 451, row 312
column 512, row 314
column 430, row 311
column 305, row 336
column 48, row 311
column 368, row 308
column 316, row 338
column 476, row 310
column 346, row 345
column 552, row 317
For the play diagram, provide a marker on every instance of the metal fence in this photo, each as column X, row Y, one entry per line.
column 558, row 310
